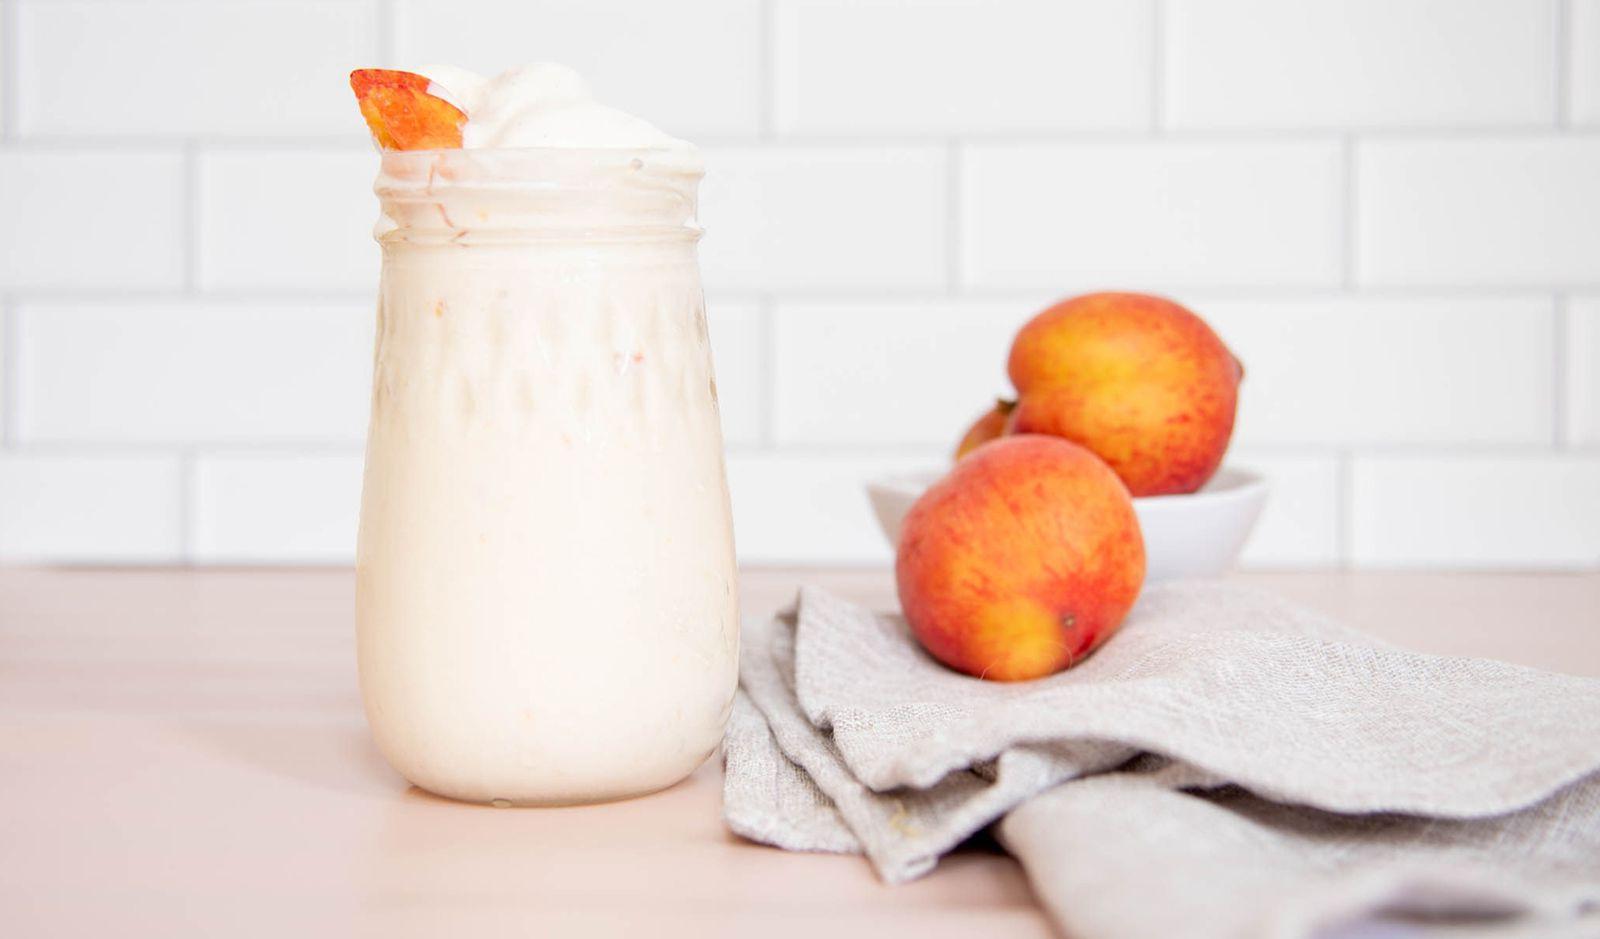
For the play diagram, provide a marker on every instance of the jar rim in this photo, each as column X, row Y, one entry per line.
column 495, row 167
column 467, row 196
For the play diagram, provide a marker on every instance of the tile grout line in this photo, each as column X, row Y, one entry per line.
column 1344, row 502
column 94, row 143
column 1347, row 240
column 767, row 309
column 953, row 217
column 247, row 449
column 1563, row 65
column 1158, row 66
column 350, row 143
column 10, row 380
column 191, row 217
column 872, row 294
column 768, row 84
column 278, row 449
column 1560, row 333
column 8, row 69
column 1288, row 293
column 384, row 24
column 235, row 295
column 813, row 447
column 186, row 511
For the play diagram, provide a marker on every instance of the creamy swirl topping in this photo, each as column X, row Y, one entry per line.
column 540, row 105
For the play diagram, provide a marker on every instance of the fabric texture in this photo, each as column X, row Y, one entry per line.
column 1227, row 765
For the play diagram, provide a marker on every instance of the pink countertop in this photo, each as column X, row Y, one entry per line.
column 183, row 753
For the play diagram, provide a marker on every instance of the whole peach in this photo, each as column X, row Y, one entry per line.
column 1021, row 561
column 1140, row 380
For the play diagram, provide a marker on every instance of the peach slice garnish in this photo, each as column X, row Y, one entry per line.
column 401, row 112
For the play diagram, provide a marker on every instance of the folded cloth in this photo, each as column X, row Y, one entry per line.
column 1227, row 765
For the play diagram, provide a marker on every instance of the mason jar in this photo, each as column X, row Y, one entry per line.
column 545, row 582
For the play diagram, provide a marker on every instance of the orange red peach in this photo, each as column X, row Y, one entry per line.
column 1141, row 381
column 401, row 112
column 1021, row 561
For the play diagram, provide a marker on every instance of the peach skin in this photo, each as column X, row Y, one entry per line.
column 402, row 114
column 1021, row 561
column 1140, row 380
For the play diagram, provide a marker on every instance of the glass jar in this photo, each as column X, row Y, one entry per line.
column 545, row 580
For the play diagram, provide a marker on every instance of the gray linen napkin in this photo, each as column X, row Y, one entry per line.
column 1228, row 765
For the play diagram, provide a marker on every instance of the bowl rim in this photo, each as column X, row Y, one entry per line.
column 1229, row 482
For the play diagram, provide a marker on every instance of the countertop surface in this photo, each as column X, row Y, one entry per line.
column 183, row 753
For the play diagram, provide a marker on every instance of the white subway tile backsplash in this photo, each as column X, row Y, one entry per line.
column 74, row 219
column 1355, row 370
column 1583, row 372
column 865, row 374
column 275, row 219
column 738, row 345
column 691, row 67
column 824, row 217
column 1583, row 58
column 1390, row 208
column 1479, row 211
column 1519, row 512
column 799, row 508
column 90, row 509
column 181, row 372
column 251, row 68
column 881, row 66
column 1362, row 63
column 1299, row 527
column 263, row 509
column 1151, row 214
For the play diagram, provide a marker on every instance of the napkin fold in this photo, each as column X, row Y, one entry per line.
column 1228, row 765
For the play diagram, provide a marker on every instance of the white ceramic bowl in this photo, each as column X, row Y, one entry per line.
column 1195, row 535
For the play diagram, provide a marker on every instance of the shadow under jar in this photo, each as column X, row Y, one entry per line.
column 546, row 605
